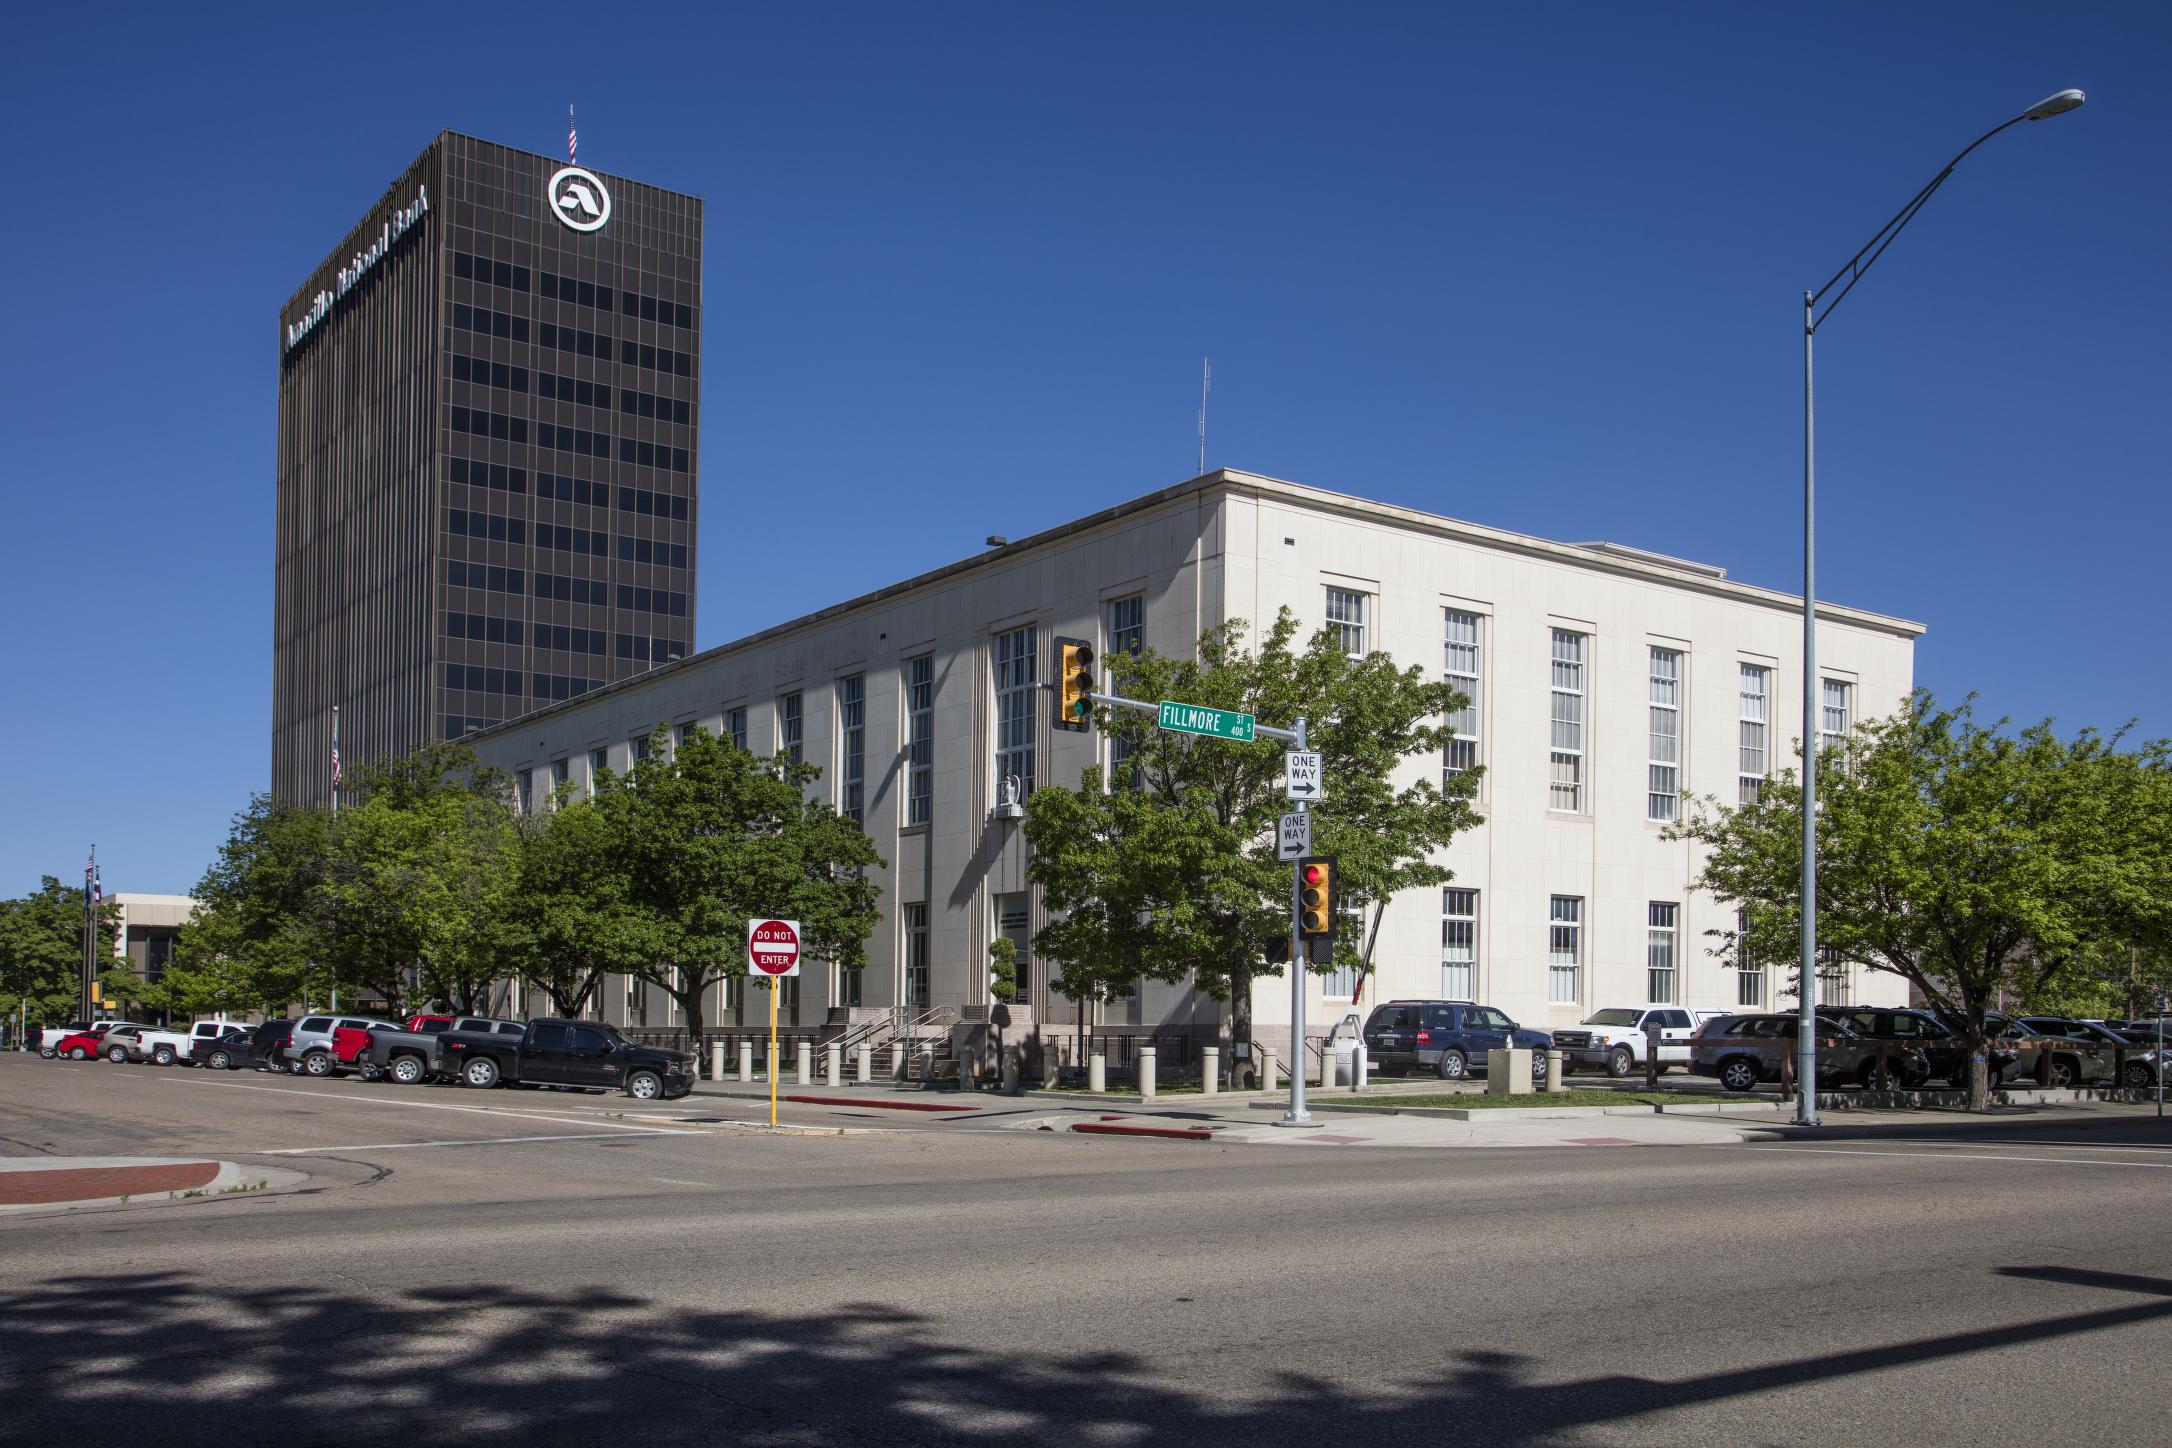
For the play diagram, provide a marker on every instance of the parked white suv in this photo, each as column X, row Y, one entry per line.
column 1617, row 1038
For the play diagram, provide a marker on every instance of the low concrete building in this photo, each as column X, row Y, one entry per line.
column 145, row 932
column 1608, row 685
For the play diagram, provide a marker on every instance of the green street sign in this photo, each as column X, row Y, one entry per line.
column 1199, row 719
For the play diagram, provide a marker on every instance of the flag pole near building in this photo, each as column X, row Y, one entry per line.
column 335, row 759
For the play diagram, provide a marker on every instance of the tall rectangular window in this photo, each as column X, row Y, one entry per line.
column 527, row 793
column 1663, row 797
column 1459, row 944
column 1749, row 970
column 1659, row 951
column 638, row 747
column 1464, row 677
column 1567, row 780
column 920, row 739
column 1124, row 628
column 735, row 727
column 561, row 772
column 1346, row 614
column 916, row 955
column 1833, row 979
column 1564, row 949
column 1339, row 984
column 791, row 728
column 1836, row 716
column 1752, row 754
column 1017, row 690
column 852, row 751
column 599, row 760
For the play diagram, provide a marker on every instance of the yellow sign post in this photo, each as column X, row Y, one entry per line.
column 773, row 952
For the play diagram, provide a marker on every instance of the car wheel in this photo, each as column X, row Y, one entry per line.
column 1620, row 1061
column 644, row 1086
column 1452, row 1065
column 117, row 1055
column 2138, row 1077
column 220, row 1061
column 407, row 1070
column 163, row 1055
column 481, row 1071
column 294, row 1068
column 1739, row 1074
column 47, row 1052
column 318, row 1063
column 1538, row 1068
column 2064, row 1072
column 77, row 1053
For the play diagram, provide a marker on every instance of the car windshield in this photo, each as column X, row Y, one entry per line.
column 1612, row 1018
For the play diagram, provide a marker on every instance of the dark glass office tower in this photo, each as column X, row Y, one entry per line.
column 488, row 413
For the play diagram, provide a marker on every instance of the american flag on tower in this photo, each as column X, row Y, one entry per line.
column 91, row 880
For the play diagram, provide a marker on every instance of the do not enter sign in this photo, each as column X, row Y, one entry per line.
column 773, row 947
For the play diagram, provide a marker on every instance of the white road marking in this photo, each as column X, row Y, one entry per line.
column 1951, row 1156
column 2054, row 1145
column 434, row 1106
column 463, row 1141
column 679, row 1182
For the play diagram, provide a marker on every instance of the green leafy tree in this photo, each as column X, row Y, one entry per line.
column 260, row 924
column 572, row 919
column 420, row 878
column 1168, row 871
column 709, row 836
column 1977, row 864
column 41, row 952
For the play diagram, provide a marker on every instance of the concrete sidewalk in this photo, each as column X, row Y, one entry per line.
column 1238, row 1124
column 43, row 1183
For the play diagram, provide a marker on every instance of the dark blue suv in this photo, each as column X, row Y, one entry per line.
column 1450, row 1038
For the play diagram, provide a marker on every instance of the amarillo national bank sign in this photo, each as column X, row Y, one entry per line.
column 359, row 265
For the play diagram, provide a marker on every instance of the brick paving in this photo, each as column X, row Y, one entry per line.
column 78, row 1184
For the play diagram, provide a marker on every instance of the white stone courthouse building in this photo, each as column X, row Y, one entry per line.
column 1607, row 685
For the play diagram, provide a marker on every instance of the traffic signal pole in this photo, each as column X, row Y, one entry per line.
column 1297, row 1115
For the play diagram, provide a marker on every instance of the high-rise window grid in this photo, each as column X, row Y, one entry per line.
column 791, row 728
column 1564, row 949
column 852, row 750
column 1464, row 674
column 1346, row 614
column 1749, row 969
column 1663, row 797
column 1836, row 716
column 1753, row 752
column 916, row 955
column 1124, row 628
column 1459, row 944
column 1660, row 932
column 1566, row 785
column 1017, row 690
column 920, row 740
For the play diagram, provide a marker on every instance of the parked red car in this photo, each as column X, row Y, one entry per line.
column 351, row 1048
column 83, row 1044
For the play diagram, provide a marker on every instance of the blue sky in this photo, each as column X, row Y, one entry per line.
column 1537, row 266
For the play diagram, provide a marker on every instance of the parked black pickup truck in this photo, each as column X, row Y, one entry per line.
column 566, row 1053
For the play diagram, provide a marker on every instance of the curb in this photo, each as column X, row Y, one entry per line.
column 1174, row 1133
column 876, row 1105
column 1527, row 1113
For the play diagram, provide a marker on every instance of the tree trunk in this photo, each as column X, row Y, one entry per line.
column 1240, row 1003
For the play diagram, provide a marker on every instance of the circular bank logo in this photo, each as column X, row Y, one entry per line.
column 579, row 199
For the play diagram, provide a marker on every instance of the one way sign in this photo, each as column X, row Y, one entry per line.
column 1301, row 773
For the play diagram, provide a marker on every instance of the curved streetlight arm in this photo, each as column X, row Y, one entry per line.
column 1863, row 260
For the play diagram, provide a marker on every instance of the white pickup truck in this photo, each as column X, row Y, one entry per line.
column 1618, row 1037
column 166, row 1047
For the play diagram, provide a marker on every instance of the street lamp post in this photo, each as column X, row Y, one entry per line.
column 1806, row 1098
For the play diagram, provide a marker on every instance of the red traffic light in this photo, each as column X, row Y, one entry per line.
column 1314, row 874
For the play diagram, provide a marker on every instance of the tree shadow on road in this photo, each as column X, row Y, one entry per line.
column 168, row 1358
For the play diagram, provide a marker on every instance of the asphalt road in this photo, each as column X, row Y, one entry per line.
column 445, row 1276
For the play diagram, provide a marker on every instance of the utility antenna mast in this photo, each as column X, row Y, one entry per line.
column 1206, row 385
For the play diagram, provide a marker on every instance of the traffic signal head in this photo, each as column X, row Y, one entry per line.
column 1316, row 897
column 1074, row 684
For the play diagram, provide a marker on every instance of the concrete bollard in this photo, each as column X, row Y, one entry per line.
column 866, row 1063
column 1097, row 1072
column 1010, row 1074
column 746, row 1060
column 716, row 1059
column 1555, row 1065
column 806, row 1063
column 833, row 1065
column 1327, row 1064
column 1270, row 1078
column 1210, row 1070
column 1508, row 1072
column 1361, row 1068
column 897, row 1060
column 1146, row 1073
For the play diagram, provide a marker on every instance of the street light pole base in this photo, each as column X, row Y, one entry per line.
column 1305, row 1120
